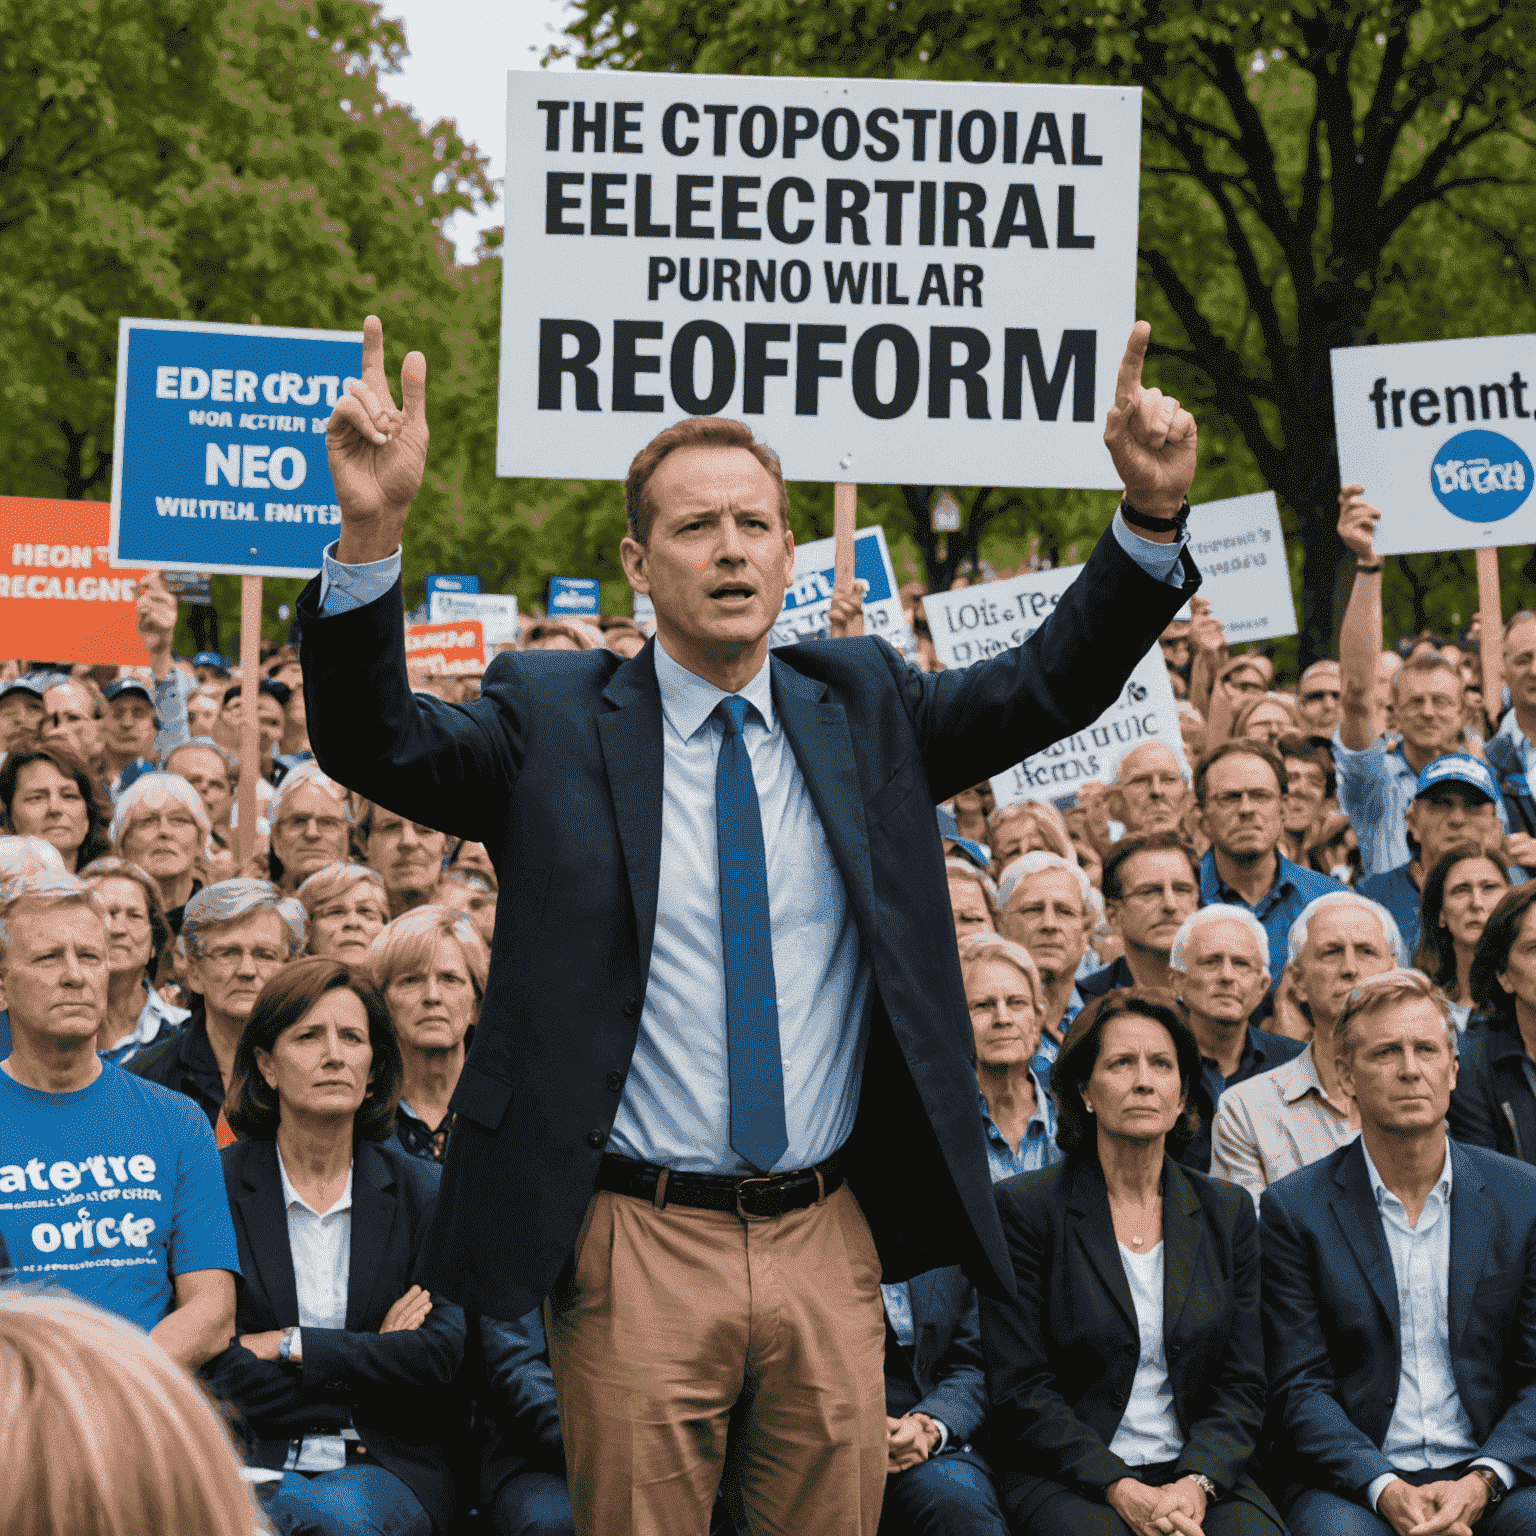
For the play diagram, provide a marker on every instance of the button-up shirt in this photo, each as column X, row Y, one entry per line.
column 321, row 1248
column 1274, row 1124
column 1429, row 1427
column 155, row 1016
column 1376, row 787
column 1276, row 909
column 1037, row 1146
column 1262, row 1052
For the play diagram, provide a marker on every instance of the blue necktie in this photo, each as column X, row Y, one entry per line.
column 746, row 936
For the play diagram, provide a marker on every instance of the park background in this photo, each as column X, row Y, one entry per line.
column 1332, row 174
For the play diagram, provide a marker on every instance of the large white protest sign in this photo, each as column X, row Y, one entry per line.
column 496, row 611
column 1441, row 434
column 809, row 598
column 892, row 281
column 977, row 622
column 1238, row 545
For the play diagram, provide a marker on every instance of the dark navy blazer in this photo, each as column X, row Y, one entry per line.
column 557, row 770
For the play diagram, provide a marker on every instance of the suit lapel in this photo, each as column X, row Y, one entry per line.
column 266, row 1230
column 1183, row 1234
column 1088, row 1207
column 819, row 738
column 373, row 1215
column 631, row 738
column 1359, row 1222
column 1472, row 1221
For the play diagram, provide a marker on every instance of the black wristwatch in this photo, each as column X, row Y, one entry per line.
column 1496, row 1488
column 1138, row 519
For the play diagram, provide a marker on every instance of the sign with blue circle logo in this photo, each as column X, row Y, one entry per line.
column 1481, row 477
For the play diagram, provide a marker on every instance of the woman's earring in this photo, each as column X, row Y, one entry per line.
column 1088, row 1106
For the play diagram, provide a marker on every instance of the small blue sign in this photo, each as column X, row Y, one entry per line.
column 1481, row 477
column 573, row 597
column 815, row 586
column 451, row 584
column 220, row 460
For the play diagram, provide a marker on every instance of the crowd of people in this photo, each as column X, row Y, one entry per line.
column 230, row 1068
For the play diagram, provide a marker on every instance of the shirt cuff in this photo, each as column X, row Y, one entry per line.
column 1505, row 1472
column 943, row 1430
column 345, row 587
column 1159, row 561
column 1377, row 1487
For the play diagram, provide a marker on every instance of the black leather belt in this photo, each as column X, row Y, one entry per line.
column 753, row 1197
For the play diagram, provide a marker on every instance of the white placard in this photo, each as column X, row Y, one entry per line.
column 890, row 281
column 497, row 612
column 977, row 622
column 1238, row 545
column 1441, row 434
column 809, row 598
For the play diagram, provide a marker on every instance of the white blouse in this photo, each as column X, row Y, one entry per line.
column 1149, row 1433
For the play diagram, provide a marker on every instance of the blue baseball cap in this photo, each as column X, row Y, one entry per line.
column 34, row 685
column 137, row 687
column 977, row 853
column 1462, row 768
column 211, row 659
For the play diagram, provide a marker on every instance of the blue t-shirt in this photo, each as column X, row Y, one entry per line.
column 111, row 1192
column 1395, row 890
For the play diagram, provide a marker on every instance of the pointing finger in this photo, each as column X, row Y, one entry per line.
column 1128, row 380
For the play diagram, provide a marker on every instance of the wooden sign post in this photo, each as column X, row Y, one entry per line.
column 845, row 501
column 1491, row 626
column 250, row 732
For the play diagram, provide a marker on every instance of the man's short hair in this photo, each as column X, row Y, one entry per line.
column 963, row 869
column 19, row 853
column 1311, row 749
column 1296, row 939
column 205, row 744
column 1378, row 992
column 1151, row 842
column 1216, row 913
column 231, row 900
column 1426, row 661
column 1037, row 863
column 49, row 889
column 154, row 789
column 1247, row 746
column 693, row 432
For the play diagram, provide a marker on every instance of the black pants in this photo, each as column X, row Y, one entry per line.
column 1065, row 1513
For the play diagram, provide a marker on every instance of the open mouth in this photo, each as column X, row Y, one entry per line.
column 733, row 591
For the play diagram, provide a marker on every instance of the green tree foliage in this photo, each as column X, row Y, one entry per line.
column 1324, row 175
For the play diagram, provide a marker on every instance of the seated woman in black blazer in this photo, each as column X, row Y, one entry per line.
column 1127, row 1380
column 342, row 1367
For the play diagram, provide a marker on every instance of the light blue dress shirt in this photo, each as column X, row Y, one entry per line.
column 1037, row 1146
column 676, row 1104
column 1429, row 1427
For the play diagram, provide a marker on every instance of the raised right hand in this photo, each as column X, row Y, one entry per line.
column 409, row 1313
column 377, row 454
column 1205, row 631
column 1357, row 523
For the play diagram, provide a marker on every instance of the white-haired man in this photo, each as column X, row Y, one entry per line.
column 1150, row 792
column 1219, row 964
column 109, row 1187
column 237, row 935
column 23, row 856
column 1286, row 1118
column 1046, row 904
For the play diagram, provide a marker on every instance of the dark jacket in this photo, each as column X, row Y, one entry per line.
column 557, row 770
column 1331, row 1325
column 1492, row 1105
column 1062, row 1358
column 1500, row 755
column 516, row 1393
column 1116, row 974
column 394, row 1387
column 945, row 1358
column 184, row 1062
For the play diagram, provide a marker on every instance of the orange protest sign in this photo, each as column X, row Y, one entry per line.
column 446, row 650
column 59, row 598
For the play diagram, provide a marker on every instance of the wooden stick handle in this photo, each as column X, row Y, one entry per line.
column 1491, row 624
column 844, row 512
column 250, row 735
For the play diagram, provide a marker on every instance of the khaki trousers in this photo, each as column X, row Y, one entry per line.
column 690, row 1346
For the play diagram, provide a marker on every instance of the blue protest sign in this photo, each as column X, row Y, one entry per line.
column 436, row 584
column 219, row 461
column 573, row 596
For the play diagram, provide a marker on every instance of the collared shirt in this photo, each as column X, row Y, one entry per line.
column 1395, row 890
column 1429, row 1427
column 156, row 1015
column 1045, row 1056
column 1037, row 1146
column 321, row 1247
column 1262, row 1052
column 1277, row 908
column 171, row 694
column 1148, row 1433
column 418, row 1138
column 1509, row 727
column 1376, row 787
column 1274, row 1124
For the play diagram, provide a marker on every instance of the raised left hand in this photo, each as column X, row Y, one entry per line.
column 155, row 611
column 1150, row 436
column 845, row 616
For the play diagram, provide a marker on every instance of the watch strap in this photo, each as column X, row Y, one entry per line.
column 1496, row 1488
column 1139, row 519
column 1203, row 1482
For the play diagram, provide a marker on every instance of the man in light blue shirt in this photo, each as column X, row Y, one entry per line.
column 1398, row 1298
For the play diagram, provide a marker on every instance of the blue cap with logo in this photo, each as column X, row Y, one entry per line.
column 135, row 688
column 211, row 659
column 1462, row 768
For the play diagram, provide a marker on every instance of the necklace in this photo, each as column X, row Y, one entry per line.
column 1137, row 1240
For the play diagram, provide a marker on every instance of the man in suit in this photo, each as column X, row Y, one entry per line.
column 935, row 1399
column 1400, row 1299
column 723, row 983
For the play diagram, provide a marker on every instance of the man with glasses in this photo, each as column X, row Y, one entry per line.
column 1509, row 751
column 72, row 712
column 1150, row 885
column 237, row 934
column 1150, row 793
column 1239, row 787
column 21, row 713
